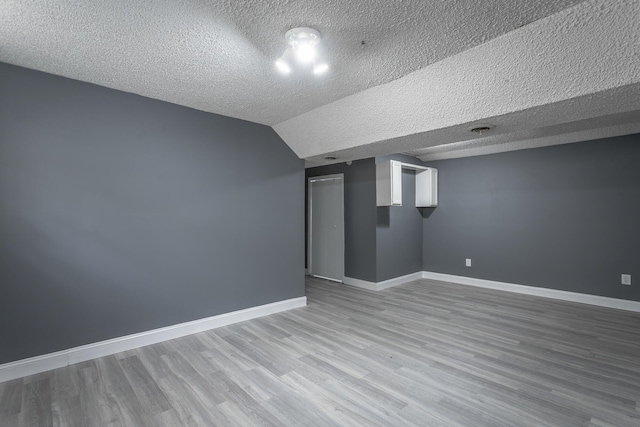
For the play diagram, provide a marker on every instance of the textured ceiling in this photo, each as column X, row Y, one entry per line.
column 558, row 74
column 426, row 68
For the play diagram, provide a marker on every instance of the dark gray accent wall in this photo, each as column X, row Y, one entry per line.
column 399, row 229
column 381, row 243
column 359, row 215
column 563, row 217
column 120, row 214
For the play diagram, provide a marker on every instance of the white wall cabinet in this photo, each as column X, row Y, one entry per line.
column 427, row 188
column 389, row 184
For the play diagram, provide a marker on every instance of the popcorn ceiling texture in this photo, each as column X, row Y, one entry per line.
column 218, row 56
column 425, row 65
column 581, row 63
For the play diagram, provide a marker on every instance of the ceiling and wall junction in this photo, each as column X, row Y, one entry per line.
column 407, row 76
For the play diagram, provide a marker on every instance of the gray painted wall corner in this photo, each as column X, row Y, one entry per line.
column 121, row 214
column 562, row 217
column 399, row 229
column 360, row 215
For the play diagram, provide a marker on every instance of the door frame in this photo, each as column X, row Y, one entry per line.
column 310, row 180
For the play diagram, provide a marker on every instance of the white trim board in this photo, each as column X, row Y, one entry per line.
column 597, row 300
column 59, row 359
column 608, row 302
column 378, row 286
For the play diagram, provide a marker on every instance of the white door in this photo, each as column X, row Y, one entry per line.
column 326, row 227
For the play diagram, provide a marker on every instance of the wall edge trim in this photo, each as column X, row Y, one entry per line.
column 597, row 300
column 608, row 302
column 378, row 286
column 46, row 362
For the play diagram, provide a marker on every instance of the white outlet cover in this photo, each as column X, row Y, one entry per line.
column 626, row 279
column 468, row 262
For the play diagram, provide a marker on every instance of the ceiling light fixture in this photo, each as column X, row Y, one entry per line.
column 302, row 46
column 320, row 69
column 282, row 66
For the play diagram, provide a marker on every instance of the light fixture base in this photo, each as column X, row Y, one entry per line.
column 308, row 35
column 302, row 48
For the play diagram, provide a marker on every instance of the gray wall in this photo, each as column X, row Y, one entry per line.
column 120, row 214
column 399, row 229
column 564, row 217
column 380, row 242
column 359, row 216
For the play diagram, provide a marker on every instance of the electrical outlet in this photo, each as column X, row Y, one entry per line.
column 626, row 279
column 468, row 262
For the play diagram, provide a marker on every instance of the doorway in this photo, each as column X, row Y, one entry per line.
column 326, row 227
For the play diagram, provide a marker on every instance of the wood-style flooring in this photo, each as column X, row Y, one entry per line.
column 421, row 354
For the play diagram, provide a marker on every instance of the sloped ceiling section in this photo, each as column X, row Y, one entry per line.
column 218, row 55
column 541, row 71
column 572, row 76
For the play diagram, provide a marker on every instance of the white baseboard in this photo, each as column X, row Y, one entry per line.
column 59, row 359
column 378, row 286
column 616, row 303
column 619, row 304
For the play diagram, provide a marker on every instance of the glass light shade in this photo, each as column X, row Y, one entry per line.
column 320, row 68
column 282, row 66
column 302, row 50
column 305, row 52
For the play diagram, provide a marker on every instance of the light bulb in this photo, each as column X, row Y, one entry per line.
column 320, row 69
column 282, row 66
column 305, row 52
column 302, row 51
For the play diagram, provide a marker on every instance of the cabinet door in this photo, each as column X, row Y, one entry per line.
column 396, row 183
column 389, row 183
column 427, row 188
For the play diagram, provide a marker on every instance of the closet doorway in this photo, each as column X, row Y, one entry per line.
column 326, row 227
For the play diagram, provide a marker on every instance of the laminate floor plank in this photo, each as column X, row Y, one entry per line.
column 64, row 383
column 342, row 410
column 121, row 391
column 418, row 415
column 376, row 410
column 142, row 384
column 199, row 385
column 11, row 398
column 36, row 404
column 191, row 407
column 323, row 407
column 168, row 418
column 268, row 384
column 260, row 356
column 226, row 357
column 67, row 412
column 251, row 408
column 232, row 415
column 426, row 353
column 100, row 403
column 294, row 411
